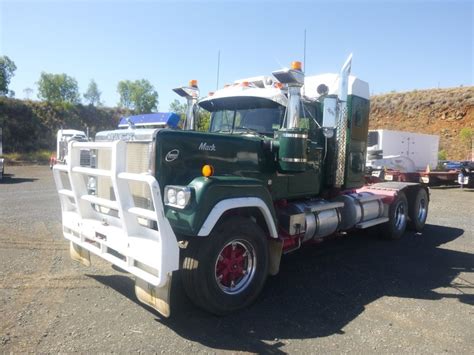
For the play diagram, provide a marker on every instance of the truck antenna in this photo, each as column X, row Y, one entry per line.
column 304, row 52
column 218, row 67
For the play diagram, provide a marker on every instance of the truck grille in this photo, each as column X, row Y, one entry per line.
column 139, row 155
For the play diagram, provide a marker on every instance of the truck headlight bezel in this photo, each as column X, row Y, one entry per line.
column 177, row 196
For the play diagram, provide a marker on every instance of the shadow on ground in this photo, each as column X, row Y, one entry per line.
column 320, row 289
column 10, row 179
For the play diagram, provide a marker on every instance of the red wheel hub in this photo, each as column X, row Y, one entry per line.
column 231, row 264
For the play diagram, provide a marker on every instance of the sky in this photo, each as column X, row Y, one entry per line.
column 401, row 46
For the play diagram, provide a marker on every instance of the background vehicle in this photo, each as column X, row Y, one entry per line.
column 401, row 156
column 63, row 137
column 278, row 169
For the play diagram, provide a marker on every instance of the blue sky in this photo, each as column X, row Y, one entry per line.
column 398, row 46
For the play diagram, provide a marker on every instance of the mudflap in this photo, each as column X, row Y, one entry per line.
column 157, row 298
column 275, row 250
column 79, row 254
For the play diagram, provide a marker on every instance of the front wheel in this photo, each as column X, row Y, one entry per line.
column 226, row 271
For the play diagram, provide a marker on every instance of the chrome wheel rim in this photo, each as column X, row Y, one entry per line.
column 235, row 266
column 400, row 216
column 422, row 210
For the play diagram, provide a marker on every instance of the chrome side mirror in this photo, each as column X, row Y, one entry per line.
column 329, row 116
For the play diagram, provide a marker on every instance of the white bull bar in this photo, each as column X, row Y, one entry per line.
column 149, row 254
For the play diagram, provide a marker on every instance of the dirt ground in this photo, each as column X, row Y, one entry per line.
column 357, row 294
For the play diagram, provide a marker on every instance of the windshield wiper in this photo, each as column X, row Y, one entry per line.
column 247, row 130
column 222, row 131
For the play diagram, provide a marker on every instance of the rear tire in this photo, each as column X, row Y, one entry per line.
column 396, row 225
column 418, row 210
column 226, row 271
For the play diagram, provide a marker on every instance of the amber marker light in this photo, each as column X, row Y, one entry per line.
column 296, row 65
column 278, row 85
column 193, row 83
column 245, row 83
column 207, row 170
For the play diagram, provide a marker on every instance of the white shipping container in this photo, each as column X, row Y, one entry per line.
column 421, row 148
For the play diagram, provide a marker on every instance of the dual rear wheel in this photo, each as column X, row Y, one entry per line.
column 405, row 212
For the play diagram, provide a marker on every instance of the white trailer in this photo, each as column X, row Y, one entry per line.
column 421, row 149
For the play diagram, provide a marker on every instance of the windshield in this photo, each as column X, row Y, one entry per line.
column 260, row 120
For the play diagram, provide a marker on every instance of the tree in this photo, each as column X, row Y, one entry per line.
column 28, row 92
column 180, row 109
column 204, row 119
column 58, row 88
column 139, row 95
column 467, row 136
column 7, row 70
column 92, row 94
column 124, row 88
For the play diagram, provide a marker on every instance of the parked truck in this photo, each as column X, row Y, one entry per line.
column 63, row 137
column 281, row 166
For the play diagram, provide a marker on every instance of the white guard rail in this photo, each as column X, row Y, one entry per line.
column 147, row 253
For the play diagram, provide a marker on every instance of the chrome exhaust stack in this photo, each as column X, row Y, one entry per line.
column 191, row 93
column 341, row 123
column 294, row 79
column 292, row 155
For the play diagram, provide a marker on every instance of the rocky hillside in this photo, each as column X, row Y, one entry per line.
column 444, row 112
column 30, row 126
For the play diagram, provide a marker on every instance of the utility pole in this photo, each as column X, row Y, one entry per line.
column 304, row 52
column 218, row 67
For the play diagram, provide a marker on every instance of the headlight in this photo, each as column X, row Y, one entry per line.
column 177, row 196
column 171, row 195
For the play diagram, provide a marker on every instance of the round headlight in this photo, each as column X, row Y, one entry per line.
column 181, row 196
column 171, row 195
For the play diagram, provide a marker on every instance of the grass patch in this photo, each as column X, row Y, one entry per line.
column 41, row 156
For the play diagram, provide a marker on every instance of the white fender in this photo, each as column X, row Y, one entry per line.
column 239, row 202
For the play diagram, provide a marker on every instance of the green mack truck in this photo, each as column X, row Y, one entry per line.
column 282, row 165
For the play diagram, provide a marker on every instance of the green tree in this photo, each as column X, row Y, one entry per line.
column 7, row 70
column 139, row 95
column 204, row 119
column 58, row 88
column 92, row 95
column 467, row 135
column 442, row 155
column 180, row 109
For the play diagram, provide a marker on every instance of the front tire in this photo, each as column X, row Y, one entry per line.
column 226, row 271
column 396, row 225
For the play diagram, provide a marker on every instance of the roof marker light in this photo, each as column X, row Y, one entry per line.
column 296, row 65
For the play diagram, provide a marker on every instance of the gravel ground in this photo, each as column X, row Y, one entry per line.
column 358, row 294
